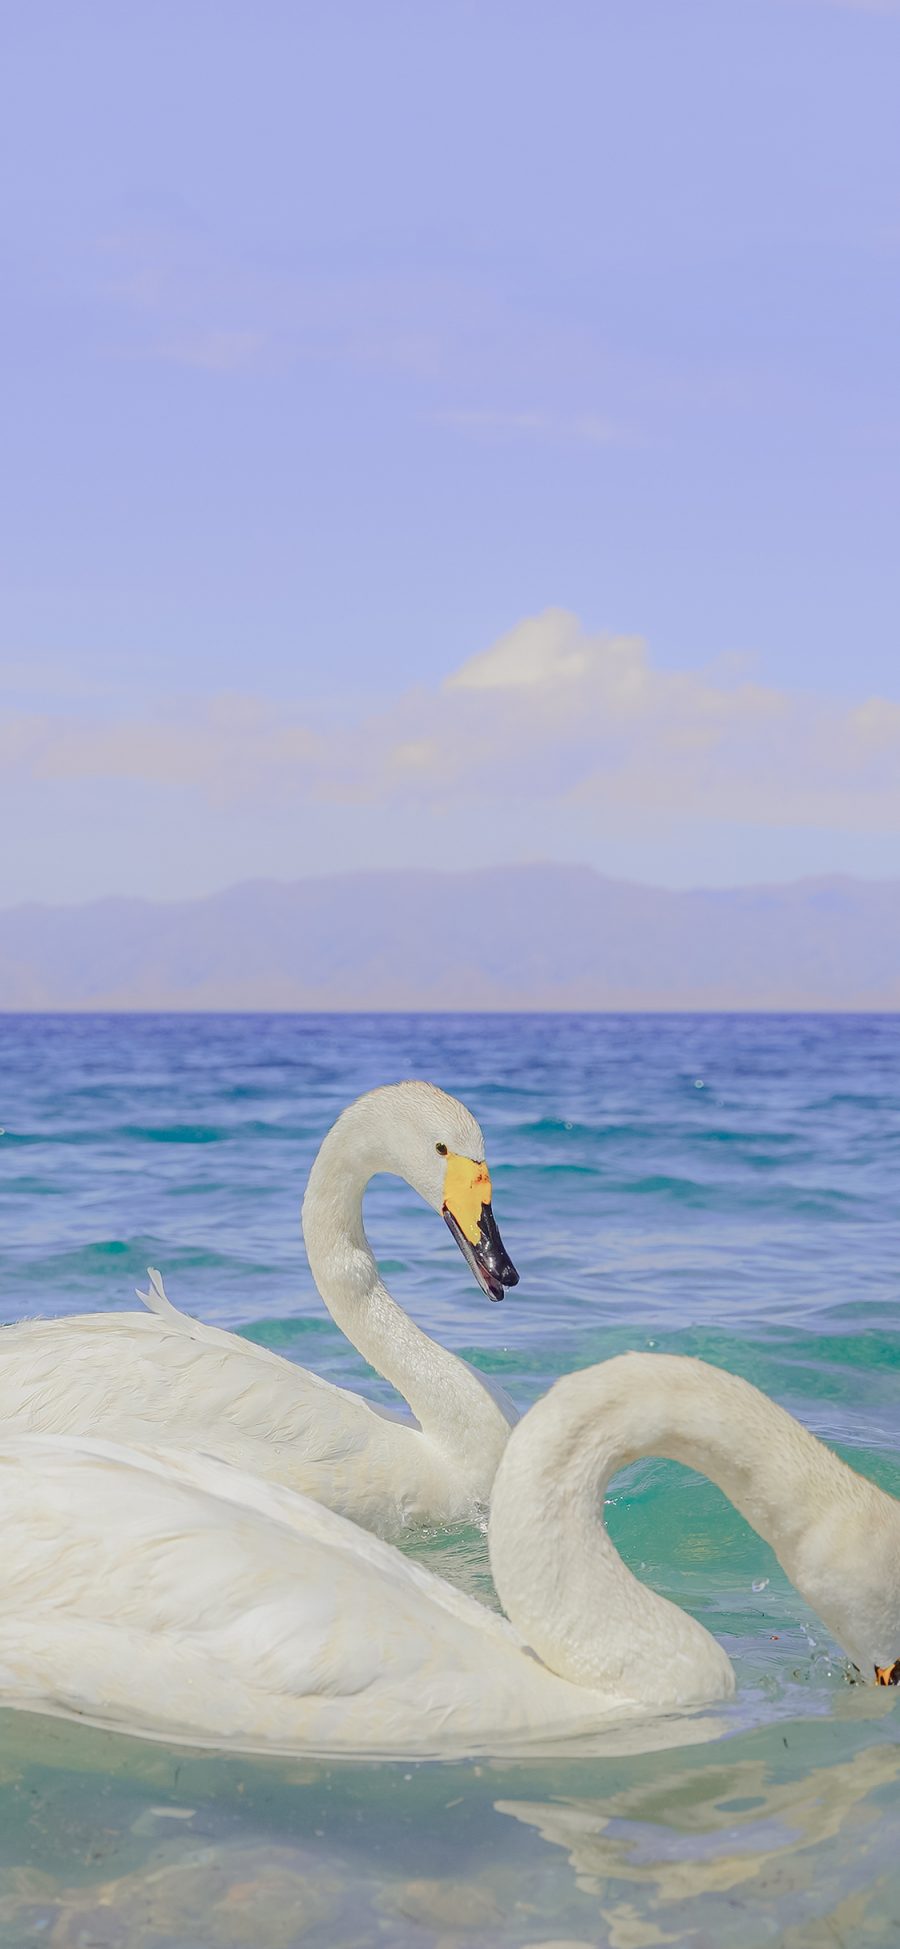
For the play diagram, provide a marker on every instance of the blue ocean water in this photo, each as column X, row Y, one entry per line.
column 722, row 1185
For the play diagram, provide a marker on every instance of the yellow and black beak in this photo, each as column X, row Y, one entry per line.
column 467, row 1210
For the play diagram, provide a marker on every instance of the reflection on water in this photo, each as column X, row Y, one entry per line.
column 784, row 1835
column 735, row 1841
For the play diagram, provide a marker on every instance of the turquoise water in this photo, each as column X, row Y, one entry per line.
column 725, row 1186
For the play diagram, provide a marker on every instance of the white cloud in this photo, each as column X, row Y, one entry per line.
column 550, row 715
column 548, row 650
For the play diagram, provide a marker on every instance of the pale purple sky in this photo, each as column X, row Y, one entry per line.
column 454, row 431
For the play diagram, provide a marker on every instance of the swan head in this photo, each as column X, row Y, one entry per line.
column 446, row 1165
column 419, row 1133
column 847, row 1565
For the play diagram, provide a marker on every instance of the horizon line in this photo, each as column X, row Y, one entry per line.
column 829, row 878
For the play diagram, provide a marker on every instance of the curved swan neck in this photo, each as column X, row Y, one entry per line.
column 449, row 1400
column 564, row 1585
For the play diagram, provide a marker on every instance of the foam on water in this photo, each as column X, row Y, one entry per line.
column 724, row 1186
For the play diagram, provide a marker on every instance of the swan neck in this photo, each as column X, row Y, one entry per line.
column 563, row 1583
column 449, row 1400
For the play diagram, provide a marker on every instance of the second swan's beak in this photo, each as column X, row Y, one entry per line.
column 467, row 1210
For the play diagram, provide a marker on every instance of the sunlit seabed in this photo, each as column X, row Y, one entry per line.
column 723, row 1186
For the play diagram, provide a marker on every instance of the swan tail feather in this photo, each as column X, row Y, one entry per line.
column 159, row 1302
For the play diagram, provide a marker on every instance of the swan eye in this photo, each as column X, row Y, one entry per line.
column 441, row 1150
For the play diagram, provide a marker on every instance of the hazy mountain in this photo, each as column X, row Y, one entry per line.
column 512, row 937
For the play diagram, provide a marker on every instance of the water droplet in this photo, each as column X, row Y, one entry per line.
column 698, row 1085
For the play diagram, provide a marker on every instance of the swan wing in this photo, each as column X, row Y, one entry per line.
column 149, row 1377
column 159, row 1304
column 177, row 1595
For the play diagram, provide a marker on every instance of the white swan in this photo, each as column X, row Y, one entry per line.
column 182, row 1598
column 162, row 1378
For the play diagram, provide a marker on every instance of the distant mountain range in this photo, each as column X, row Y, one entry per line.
column 520, row 937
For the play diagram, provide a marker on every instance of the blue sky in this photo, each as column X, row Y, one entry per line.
column 344, row 342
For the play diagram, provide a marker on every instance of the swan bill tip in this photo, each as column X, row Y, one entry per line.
column 487, row 1256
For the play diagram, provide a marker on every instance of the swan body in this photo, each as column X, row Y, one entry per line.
column 176, row 1596
column 161, row 1378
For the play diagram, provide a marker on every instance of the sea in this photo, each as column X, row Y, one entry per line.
column 722, row 1185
